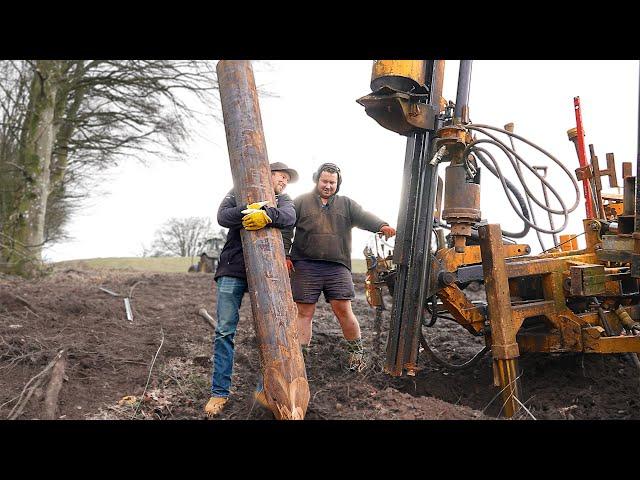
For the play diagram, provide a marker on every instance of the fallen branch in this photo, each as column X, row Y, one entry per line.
column 19, row 406
column 26, row 399
column 29, row 310
column 9, row 401
column 110, row 292
column 14, row 360
column 53, row 389
column 25, row 304
column 210, row 321
column 134, row 286
column 22, row 301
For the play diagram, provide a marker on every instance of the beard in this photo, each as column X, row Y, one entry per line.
column 325, row 193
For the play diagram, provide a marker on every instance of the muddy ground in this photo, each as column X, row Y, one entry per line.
column 158, row 366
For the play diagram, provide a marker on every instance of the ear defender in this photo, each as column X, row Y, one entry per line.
column 316, row 174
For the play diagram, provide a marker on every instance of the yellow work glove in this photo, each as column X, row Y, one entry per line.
column 255, row 206
column 255, row 219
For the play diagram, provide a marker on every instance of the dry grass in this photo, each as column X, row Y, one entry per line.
column 142, row 264
column 157, row 264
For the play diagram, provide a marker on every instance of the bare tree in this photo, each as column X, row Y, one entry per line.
column 222, row 234
column 182, row 237
column 61, row 121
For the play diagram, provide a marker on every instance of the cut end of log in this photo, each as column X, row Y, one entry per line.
column 287, row 402
column 283, row 413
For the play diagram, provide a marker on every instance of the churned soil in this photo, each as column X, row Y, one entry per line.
column 158, row 366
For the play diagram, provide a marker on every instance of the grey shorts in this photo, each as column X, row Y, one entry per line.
column 311, row 277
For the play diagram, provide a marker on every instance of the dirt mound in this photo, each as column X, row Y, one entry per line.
column 158, row 366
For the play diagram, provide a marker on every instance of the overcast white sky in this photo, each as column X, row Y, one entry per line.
column 316, row 119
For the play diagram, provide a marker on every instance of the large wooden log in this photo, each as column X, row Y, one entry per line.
column 274, row 311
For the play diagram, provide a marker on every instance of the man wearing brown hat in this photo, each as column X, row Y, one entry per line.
column 231, row 277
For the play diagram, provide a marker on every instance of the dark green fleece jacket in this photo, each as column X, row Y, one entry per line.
column 324, row 232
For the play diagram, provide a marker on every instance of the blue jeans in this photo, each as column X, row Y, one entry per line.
column 230, row 293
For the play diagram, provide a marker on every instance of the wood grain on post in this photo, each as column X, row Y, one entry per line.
column 274, row 311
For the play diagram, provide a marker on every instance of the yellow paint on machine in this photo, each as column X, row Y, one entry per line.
column 413, row 70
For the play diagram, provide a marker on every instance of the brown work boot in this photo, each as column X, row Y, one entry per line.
column 355, row 348
column 357, row 362
column 215, row 405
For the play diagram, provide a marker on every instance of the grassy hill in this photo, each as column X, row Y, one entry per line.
column 143, row 264
column 158, row 264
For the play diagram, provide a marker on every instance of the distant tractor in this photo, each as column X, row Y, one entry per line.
column 209, row 255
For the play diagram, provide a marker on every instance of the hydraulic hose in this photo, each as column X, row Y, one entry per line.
column 452, row 366
column 516, row 193
column 514, row 158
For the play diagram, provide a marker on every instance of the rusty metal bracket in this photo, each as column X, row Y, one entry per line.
column 587, row 280
column 399, row 112
column 584, row 173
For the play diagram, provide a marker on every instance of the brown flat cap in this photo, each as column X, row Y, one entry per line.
column 281, row 167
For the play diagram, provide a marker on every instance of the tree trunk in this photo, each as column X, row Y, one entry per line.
column 24, row 229
column 69, row 99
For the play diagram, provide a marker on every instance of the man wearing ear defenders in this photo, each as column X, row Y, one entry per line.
column 320, row 257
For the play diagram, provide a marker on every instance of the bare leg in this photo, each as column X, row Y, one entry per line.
column 305, row 318
column 351, row 332
column 348, row 321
